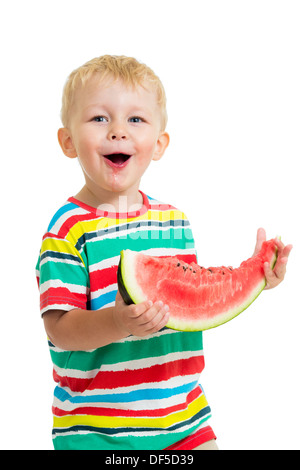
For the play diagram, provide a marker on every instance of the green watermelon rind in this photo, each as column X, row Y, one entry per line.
column 132, row 293
column 129, row 289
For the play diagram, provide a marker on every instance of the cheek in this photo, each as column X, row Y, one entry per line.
column 148, row 148
column 87, row 150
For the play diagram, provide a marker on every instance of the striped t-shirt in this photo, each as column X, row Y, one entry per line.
column 139, row 392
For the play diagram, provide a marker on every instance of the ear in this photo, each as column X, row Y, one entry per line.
column 66, row 142
column 161, row 145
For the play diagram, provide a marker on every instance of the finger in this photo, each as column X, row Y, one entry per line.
column 280, row 267
column 160, row 320
column 138, row 310
column 271, row 278
column 283, row 251
column 160, row 325
column 261, row 234
column 286, row 251
column 275, row 276
column 260, row 238
column 153, row 315
column 279, row 244
column 118, row 297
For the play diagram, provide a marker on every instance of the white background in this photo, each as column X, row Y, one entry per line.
column 231, row 71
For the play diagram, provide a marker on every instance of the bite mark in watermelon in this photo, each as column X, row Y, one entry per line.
column 198, row 298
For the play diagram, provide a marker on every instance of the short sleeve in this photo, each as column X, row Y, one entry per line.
column 62, row 275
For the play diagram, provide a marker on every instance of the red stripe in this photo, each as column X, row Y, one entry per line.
column 191, row 442
column 161, row 207
column 102, row 278
column 99, row 213
column 62, row 295
column 50, row 235
column 73, row 220
column 94, row 411
column 127, row 378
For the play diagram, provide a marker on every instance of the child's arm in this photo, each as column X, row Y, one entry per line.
column 276, row 275
column 82, row 330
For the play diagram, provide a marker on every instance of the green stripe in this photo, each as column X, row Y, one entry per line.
column 178, row 238
column 94, row 441
column 176, row 341
column 75, row 274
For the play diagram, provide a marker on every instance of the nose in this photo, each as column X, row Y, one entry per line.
column 117, row 132
column 117, row 137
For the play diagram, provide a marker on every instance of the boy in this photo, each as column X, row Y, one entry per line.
column 123, row 380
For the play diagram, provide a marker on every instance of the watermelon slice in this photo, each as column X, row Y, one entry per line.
column 198, row 298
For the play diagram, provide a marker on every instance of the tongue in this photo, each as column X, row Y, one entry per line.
column 117, row 158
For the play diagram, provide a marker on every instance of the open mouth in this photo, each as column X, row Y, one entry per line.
column 117, row 158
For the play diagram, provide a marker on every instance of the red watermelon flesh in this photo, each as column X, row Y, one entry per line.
column 198, row 298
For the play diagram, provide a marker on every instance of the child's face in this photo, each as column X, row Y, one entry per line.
column 115, row 133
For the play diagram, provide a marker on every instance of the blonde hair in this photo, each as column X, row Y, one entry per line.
column 128, row 69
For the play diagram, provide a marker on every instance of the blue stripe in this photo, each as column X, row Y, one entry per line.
column 60, row 255
column 66, row 208
column 136, row 395
column 103, row 300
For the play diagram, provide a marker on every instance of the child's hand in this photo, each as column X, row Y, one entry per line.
column 276, row 275
column 140, row 319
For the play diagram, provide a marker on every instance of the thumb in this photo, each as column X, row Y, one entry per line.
column 260, row 238
column 118, row 297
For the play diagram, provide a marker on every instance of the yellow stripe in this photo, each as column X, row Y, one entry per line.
column 60, row 246
column 163, row 216
column 115, row 422
column 103, row 222
column 100, row 223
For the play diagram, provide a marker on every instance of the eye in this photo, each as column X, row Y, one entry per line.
column 100, row 119
column 136, row 119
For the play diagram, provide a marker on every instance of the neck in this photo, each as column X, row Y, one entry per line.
column 111, row 202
